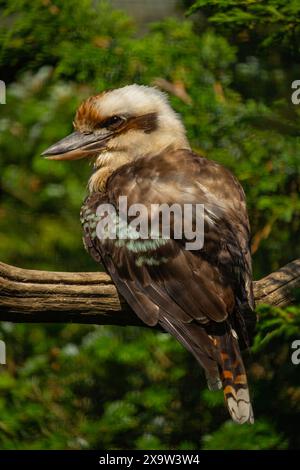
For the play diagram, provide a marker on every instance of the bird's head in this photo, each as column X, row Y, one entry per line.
column 120, row 125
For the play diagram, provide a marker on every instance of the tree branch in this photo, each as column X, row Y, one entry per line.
column 57, row 297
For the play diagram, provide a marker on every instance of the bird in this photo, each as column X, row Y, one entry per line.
column 204, row 298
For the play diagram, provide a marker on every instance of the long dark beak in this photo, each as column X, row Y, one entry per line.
column 77, row 145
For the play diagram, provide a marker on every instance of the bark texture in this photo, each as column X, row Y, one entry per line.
column 58, row 297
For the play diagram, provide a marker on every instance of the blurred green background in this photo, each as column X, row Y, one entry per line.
column 230, row 66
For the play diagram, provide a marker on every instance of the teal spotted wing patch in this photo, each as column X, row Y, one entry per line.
column 89, row 220
column 123, row 235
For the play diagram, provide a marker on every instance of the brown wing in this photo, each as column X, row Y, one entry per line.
column 183, row 177
column 198, row 296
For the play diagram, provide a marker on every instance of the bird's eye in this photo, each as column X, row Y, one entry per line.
column 112, row 122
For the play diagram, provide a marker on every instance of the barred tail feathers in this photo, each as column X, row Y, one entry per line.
column 221, row 359
column 234, row 379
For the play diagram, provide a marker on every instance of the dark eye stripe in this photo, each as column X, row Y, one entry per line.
column 113, row 121
column 146, row 123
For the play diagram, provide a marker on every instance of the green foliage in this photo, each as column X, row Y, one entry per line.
column 81, row 387
column 259, row 437
column 275, row 22
column 276, row 324
column 71, row 35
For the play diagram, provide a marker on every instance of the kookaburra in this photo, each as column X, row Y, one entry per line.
column 202, row 297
